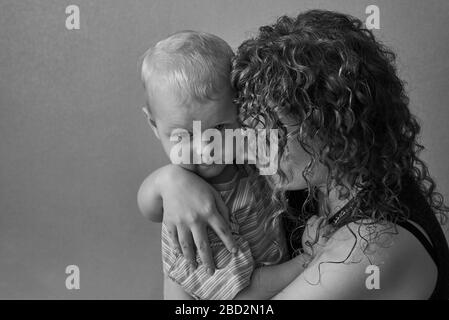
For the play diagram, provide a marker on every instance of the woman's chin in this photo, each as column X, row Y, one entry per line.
column 295, row 183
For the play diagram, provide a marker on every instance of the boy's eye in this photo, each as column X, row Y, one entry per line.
column 220, row 127
column 182, row 135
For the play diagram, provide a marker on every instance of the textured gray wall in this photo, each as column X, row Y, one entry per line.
column 74, row 146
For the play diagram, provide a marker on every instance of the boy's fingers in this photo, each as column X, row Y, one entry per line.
column 173, row 236
column 186, row 242
column 202, row 244
column 221, row 228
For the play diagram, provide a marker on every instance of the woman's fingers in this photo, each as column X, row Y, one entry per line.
column 200, row 237
column 186, row 242
column 173, row 236
column 220, row 223
column 223, row 210
column 221, row 228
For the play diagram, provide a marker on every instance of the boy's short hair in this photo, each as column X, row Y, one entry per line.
column 196, row 64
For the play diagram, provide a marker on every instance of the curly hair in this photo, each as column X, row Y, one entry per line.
column 328, row 71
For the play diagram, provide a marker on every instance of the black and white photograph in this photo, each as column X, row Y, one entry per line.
column 203, row 150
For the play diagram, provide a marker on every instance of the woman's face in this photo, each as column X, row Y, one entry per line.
column 295, row 160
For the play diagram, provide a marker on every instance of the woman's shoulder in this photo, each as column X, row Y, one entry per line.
column 403, row 263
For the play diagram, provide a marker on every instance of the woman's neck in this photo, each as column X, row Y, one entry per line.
column 329, row 202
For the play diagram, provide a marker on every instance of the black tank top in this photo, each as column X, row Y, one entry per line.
column 420, row 213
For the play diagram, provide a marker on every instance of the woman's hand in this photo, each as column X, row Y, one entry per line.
column 190, row 206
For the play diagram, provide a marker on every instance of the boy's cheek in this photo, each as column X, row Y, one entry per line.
column 179, row 153
column 167, row 146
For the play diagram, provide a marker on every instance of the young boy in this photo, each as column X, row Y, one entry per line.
column 187, row 78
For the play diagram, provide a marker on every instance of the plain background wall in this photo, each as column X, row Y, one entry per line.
column 74, row 146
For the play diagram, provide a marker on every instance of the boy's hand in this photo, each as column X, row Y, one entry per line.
column 190, row 206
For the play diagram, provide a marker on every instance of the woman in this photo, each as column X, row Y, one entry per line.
column 347, row 139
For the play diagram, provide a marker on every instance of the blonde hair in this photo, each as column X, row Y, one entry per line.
column 196, row 64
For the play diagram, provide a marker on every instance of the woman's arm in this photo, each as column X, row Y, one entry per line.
column 149, row 197
column 189, row 205
column 270, row 280
column 395, row 266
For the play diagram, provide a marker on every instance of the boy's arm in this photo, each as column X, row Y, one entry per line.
column 268, row 281
column 173, row 291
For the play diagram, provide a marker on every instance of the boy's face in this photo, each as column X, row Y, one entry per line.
column 169, row 114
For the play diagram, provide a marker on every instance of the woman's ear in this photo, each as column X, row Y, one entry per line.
column 151, row 121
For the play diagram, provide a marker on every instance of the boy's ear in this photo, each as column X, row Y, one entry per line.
column 151, row 122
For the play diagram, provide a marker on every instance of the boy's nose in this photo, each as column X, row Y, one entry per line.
column 198, row 148
column 205, row 151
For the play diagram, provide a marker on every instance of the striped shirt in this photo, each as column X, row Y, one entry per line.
column 255, row 247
